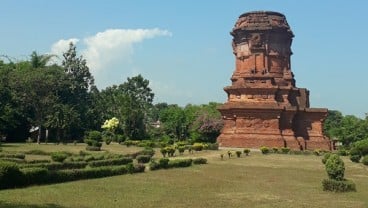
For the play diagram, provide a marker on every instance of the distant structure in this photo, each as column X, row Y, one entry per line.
column 264, row 106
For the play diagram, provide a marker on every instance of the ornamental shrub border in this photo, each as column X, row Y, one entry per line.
column 338, row 186
column 13, row 177
column 165, row 163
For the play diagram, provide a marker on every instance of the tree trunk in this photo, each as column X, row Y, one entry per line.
column 39, row 134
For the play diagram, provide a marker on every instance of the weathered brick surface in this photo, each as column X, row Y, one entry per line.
column 264, row 107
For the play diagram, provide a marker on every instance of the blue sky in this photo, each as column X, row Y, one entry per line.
column 184, row 47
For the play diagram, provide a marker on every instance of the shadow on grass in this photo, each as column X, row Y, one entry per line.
column 19, row 205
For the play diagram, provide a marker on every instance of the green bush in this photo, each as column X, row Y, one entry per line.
column 213, row 146
column 180, row 163
column 110, row 162
column 56, row 165
column 10, row 175
column 108, row 140
column 238, row 153
column 143, row 158
column 198, row 161
column 164, row 163
column 361, row 146
column 58, row 156
column 154, row 165
column 170, row 151
column 342, row 152
column 35, row 175
column 197, row 146
column 275, row 149
column 355, row 158
column 338, row 185
column 246, row 151
column 163, row 151
column 365, row 160
column 325, row 157
column 181, row 149
column 335, row 167
column 317, row 152
column 285, row 150
column 264, row 150
column 94, row 135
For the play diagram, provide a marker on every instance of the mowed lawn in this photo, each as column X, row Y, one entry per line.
column 257, row 180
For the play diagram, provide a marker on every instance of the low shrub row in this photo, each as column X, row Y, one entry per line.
column 143, row 158
column 10, row 155
column 338, row 186
column 56, row 165
column 165, row 163
column 111, row 162
column 11, row 176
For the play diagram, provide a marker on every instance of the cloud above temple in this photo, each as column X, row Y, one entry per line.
column 109, row 47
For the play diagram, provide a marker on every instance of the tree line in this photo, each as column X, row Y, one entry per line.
column 36, row 96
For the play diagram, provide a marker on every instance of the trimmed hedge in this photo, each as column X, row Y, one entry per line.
column 143, row 158
column 10, row 175
column 58, row 156
column 16, row 155
column 199, row 161
column 37, row 152
column 355, row 158
column 165, row 163
column 56, row 165
column 111, row 162
column 338, row 186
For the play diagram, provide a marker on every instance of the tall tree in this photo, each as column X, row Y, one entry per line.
column 77, row 94
column 137, row 100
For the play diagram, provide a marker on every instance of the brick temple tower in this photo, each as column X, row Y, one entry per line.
column 264, row 106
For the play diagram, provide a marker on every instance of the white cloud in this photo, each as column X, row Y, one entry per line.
column 114, row 45
column 62, row 46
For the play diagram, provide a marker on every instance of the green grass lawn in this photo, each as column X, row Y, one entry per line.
column 254, row 181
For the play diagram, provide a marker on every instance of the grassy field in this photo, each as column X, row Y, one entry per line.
column 254, row 181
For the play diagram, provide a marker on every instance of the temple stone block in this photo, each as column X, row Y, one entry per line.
column 264, row 106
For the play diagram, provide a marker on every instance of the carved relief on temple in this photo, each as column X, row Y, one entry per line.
column 264, row 105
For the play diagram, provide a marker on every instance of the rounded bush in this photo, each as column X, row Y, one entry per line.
column 58, row 156
column 325, row 157
column 238, row 153
column 275, row 149
column 355, row 158
column 94, row 135
column 163, row 151
column 335, row 167
column 246, row 151
column 197, row 146
column 181, row 149
column 265, row 150
column 285, row 150
column 365, row 160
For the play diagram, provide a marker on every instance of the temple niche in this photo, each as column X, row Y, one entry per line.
column 264, row 106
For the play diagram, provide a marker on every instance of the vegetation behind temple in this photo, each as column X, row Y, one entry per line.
column 64, row 100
